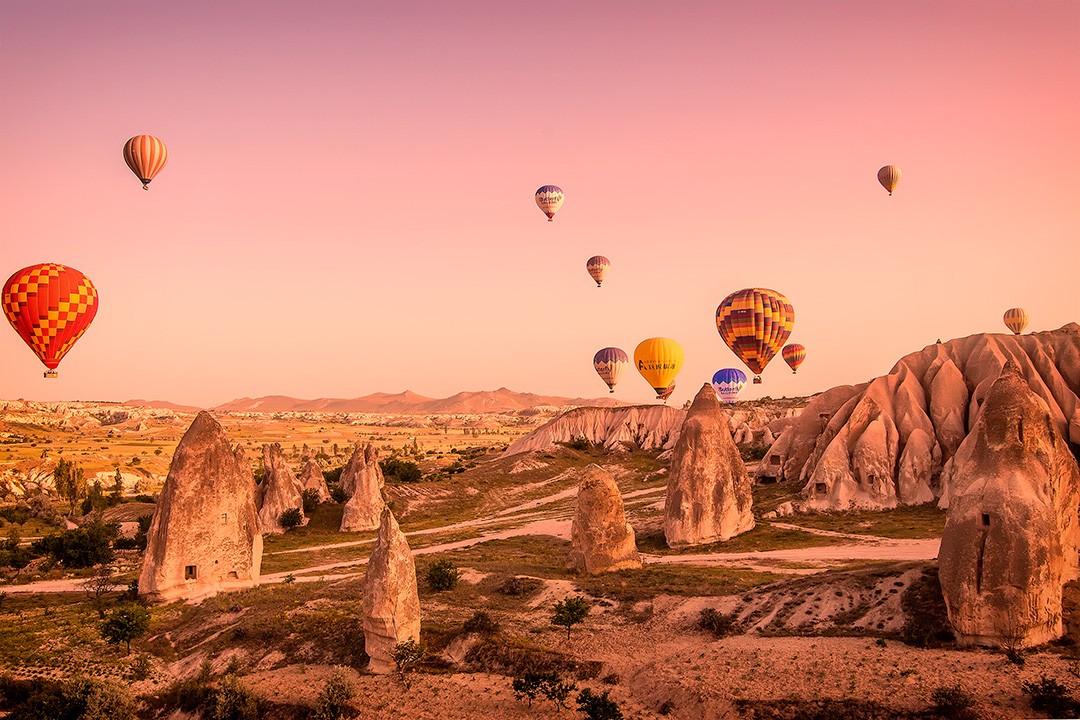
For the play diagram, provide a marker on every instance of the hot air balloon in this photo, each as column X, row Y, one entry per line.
column 1016, row 319
column 794, row 354
column 889, row 177
column 727, row 383
column 50, row 306
column 755, row 323
column 598, row 266
column 550, row 199
column 145, row 155
column 667, row 392
column 659, row 361
column 609, row 363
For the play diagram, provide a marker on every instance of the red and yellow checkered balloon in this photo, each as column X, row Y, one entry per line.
column 50, row 306
column 755, row 323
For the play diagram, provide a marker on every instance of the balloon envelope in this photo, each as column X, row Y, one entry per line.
column 889, row 177
column 659, row 361
column 550, row 199
column 50, row 306
column 755, row 323
column 598, row 266
column 609, row 363
column 727, row 383
column 146, row 156
column 1016, row 319
column 794, row 354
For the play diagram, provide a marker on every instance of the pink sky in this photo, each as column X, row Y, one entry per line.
column 348, row 202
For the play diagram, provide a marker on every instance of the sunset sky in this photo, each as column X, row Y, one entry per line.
column 348, row 203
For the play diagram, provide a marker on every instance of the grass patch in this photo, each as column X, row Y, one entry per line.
column 915, row 522
column 764, row 536
column 323, row 528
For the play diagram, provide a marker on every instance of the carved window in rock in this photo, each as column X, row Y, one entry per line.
column 774, row 460
column 986, row 519
column 224, row 518
column 191, row 572
column 233, row 575
column 820, row 488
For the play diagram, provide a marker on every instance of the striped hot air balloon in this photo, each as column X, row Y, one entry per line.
column 50, row 306
column 727, row 383
column 598, row 266
column 889, row 177
column 755, row 323
column 659, row 360
column 1016, row 319
column 146, row 156
column 794, row 354
column 609, row 363
column 550, row 199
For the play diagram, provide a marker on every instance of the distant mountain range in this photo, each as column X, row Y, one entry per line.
column 408, row 402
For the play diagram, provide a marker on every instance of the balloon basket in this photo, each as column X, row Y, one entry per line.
column 757, row 379
column 51, row 374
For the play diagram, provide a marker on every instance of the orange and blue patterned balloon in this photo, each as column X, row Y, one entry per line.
column 598, row 266
column 755, row 323
column 550, row 199
column 794, row 354
column 727, row 383
column 50, row 306
column 609, row 363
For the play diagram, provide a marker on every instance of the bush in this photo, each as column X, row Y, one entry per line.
column 291, row 518
column 481, row 623
column 333, row 476
column 232, row 701
column 1050, row 696
column 126, row 623
column 518, row 586
column 569, row 612
column 400, row 470
column 335, row 700
column 406, row 656
column 549, row 684
column 40, row 508
column 337, row 493
column 952, row 702
column 442, row 575
column 754, row 451
column 581, row 444
column 74, row 699
column 717, row 623
column 310, row 499
column 140, row 667
column 598, row 707
column 82, row 547
column 14, row 555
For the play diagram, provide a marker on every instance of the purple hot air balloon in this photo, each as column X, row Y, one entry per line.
column 609, row 363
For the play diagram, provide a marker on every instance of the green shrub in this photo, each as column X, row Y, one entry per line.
column 75, row 699
column 332, row 476
column 337, row 493
column 598, row 707
column 291, row 518
column 1050, row 696
column 400, row 470
column 126, row 623
column 481, row 623
column 407, row 655
column 717, row 623
column 754, row 451
column 519, row 586
column 548, row 684
column 335, row 700
column 82, row 547
column 952, row 702
column 140, row 667
column 569, row 612
column 310, row 499
column 232, row 701
column 442, row 575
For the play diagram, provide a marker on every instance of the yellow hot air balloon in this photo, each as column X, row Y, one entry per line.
column 659, row 360
column 146, row 156
column 1016, row 319
column 889, row 177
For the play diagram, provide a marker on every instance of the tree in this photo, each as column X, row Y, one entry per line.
column 406, row 656
column 310, row 499
column 100, row 583
column 126, row 623
column 70, row 483
column 82, row 547
column 598, row 707
column 569, row 612
column 548, row 684
column 117, row 493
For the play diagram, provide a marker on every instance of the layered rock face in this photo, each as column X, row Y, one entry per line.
column 391, row 607
column 311, row 478
column 365, row 478
column 1010, row 539
column 204, row 537
column 887, row 442
column 281, row 491
column 708, row 492
column 601, row 539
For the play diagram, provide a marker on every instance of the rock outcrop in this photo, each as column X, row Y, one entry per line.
column 363, row 479
column 204, row 536
column 708, row 492
column 280, row 491
column 391, row 611
column 890, row 441
column 311, row 478
column 1010, row 539
column 601, row 539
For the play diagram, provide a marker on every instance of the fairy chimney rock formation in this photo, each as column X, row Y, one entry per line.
column 391, row 611
column 281, row 491
column 204, row 537
column 365, row 478
column 708, row 492
column 1010, row 539
column 601, row 539
column 311, row 478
